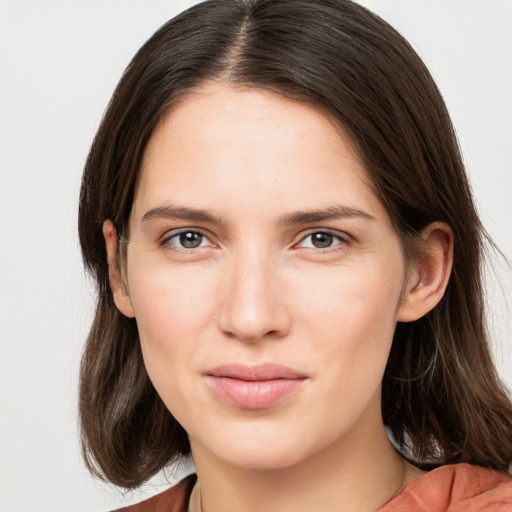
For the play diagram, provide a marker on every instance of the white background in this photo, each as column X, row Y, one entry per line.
column 59, row 62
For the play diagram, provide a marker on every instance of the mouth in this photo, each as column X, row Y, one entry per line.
column 254, row 387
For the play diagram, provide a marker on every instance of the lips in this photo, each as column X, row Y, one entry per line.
column 254, row 387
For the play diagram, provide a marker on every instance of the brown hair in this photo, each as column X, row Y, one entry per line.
column 441, row 398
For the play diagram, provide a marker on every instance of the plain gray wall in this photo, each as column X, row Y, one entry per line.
column 59, row 63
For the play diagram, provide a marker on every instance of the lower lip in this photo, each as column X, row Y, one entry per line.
column 258, row 394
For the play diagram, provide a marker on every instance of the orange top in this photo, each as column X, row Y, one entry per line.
column 456, row 488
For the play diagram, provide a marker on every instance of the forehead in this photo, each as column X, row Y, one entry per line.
column 222, row 141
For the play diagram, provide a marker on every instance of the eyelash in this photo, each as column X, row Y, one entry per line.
column 343, row 241
column 166, row 242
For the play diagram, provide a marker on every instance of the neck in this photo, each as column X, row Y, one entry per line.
column 359, row 473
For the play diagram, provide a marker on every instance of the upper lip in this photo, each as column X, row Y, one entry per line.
column 266, row 371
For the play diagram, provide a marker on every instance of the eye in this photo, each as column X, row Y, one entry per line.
column 321, row 240
column 187, row 240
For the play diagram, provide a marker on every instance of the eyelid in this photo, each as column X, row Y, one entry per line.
column 174, row 233
column 343, row 237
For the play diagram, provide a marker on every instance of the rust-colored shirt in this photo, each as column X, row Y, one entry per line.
column 455, row 488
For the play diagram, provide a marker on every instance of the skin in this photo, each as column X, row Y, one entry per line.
column 257, row 289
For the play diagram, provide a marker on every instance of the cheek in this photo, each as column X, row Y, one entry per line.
column 170, row 302
column 349, row 321
column 351, row 298
column 173, row 311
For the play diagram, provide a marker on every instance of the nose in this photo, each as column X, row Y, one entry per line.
column 253, row 304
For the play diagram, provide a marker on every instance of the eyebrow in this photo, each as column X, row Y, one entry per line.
column 181, row 212
column 331, row 213
column 290, row 219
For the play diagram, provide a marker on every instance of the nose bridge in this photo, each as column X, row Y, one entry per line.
column 252, row 306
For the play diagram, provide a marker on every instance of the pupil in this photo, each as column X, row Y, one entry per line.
column 321, row 240
column 190, row 240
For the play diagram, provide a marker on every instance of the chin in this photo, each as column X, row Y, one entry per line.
column 261, row 458
column 262, row 449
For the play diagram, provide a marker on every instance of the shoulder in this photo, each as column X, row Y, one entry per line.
column 174, row 499
column 456, row 488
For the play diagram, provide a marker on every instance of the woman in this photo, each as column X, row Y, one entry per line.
column 288, row 259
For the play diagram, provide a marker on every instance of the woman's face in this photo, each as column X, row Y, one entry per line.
column 265, row 278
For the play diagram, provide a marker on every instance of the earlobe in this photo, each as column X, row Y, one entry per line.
column 117, row 285
column 429, row 279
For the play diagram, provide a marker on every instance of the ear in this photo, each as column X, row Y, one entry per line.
column 117, row 285
column 429, row 278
